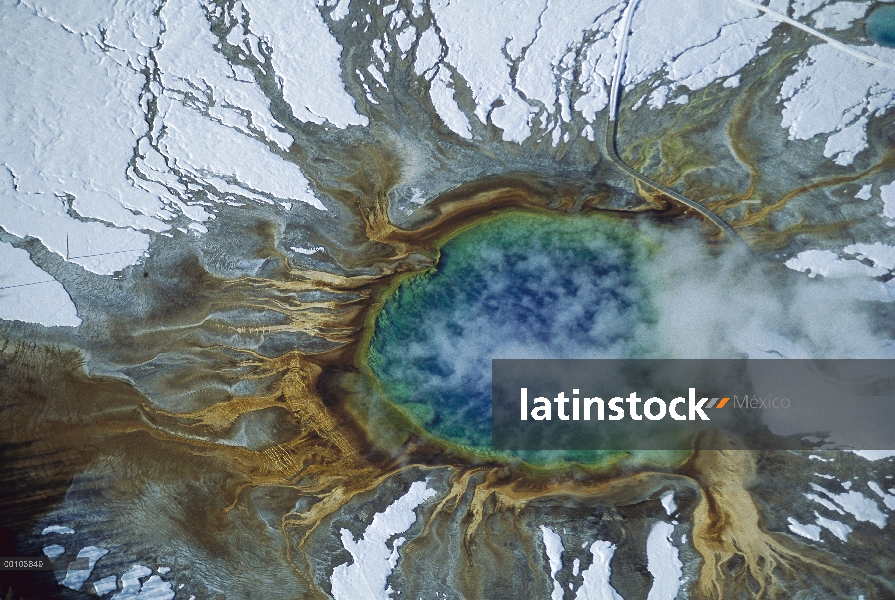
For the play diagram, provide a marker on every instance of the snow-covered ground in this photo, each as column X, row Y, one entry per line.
column 125, row 120
column 662, row 563
column 373, row 558
column 840, row 512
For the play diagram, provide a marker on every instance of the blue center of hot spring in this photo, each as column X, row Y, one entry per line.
column 520, row 285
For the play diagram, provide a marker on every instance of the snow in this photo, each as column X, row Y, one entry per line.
column 75, row 578
column 881, row 255
column 840, row 530
column 694, row 52
column 597, row 68
column 874, row 454
column 373, row 560
column 72, row 118
column 201, row 146
column 406, row 38
column 812, row 532
column 53, row 551
column 427, row 51
column 839, row 16
column 800, row 8
column 341, row 10
column 478, row 32
column 659, row 97
column 154, row 588
column 442, row 93
column 595, row 579
column 398, row 19
column 818, row 100
column 105, row 585
column 865, row 192
column 514, row 118
column 187, row 61
column 417, row 8
column 305, row 51
column 887, row 194
column 828, row 264
column 377, row 75
column 732, row 82
column 856, row 503
column 562, row 29
column 565, row 47
column 61, row 529
column 668, row 503
column 24, row 282
column 91, row 244
column 554, row 548
column 888, row 499
column 663, row 563
column 847, row 143
column 130, row 581
column 825, row 503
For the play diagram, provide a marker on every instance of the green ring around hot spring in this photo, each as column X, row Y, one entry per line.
column 390, row 425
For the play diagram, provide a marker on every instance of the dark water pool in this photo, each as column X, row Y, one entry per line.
column 880, row 26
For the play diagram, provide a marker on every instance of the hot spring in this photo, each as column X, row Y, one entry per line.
column 518, row 285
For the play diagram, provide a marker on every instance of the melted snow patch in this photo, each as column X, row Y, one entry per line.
column 856, row 503
column 828, row 264
column 154, row 588
column 812, row 532
column 314, row 250
column 881, row 255
column 874, row 454
column 595, row 585
column 57, row 529
column 887, row 193
column 53, row 551
column 888, row 499
column 668, row 503
column 663, row 563
column 840, row 530
column 374, row 561
column 441, row 91
column 75, row 578
column 554, row 548
column 105, row 585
